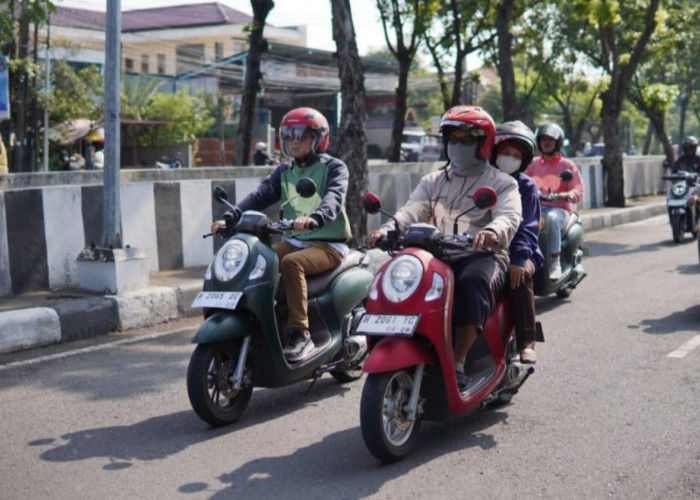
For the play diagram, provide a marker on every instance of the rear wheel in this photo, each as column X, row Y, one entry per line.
column 209, row 387
column 388, row 434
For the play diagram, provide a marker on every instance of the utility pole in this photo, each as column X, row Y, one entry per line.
column 111, row 268
column 111, row 209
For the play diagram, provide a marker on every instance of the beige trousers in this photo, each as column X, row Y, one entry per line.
column 297, row 263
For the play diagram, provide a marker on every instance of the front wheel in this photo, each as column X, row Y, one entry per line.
column 677, row 228
column 388, row 434
column 209, row 387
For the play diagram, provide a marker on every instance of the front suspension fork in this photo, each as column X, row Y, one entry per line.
column 237, row 377
column 411, row 408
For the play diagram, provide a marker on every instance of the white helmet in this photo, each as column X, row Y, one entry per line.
column 261, row 146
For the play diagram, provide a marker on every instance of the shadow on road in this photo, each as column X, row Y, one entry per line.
column 339, row 466
column 678, row 320
column 159, row 437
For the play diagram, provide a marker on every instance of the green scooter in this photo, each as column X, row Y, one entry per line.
column 239, row 345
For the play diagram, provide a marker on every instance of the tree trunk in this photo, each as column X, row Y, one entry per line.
column 19, row 105
column 258, row 45
column 352, row 141
column 612, row 155
column 442, row 79
column 399, row 110
column 509, row 99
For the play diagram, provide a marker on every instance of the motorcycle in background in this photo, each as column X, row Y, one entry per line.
column 572, row 272
column 239, row 345
column 682, row 215
column 408, row 321
column 169, row 162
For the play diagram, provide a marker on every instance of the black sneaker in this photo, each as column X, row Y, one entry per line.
column 298, row 346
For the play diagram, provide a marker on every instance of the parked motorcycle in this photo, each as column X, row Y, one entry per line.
column 571, row 254
column 408, row 321
column 682, row 215
column 239, row 345
column 168, row 162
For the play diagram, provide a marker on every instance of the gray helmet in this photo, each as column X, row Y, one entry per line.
column 515, row 131
column 551, row 130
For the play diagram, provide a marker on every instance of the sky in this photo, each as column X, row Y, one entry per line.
column 316, row 14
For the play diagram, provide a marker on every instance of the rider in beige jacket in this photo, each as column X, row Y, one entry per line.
column 468, row 134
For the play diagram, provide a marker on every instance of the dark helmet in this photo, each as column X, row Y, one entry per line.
column 298, row 121
column 551, row 130
column 689, row 145
column 472, row 119
column 519, row 133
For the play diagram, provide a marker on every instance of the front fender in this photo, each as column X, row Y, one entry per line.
column 394, row 353
column 223, row 325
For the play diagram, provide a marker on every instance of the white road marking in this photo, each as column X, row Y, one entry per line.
column 75, row 352
column 685, row 349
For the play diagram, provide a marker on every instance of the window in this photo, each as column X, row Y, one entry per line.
column 161, row 64
column 129, row 64
column 218, row 51
column 189, row 57
column 144, row 63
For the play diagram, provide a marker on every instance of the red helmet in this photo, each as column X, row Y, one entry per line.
column 472, row 119
column 297, row 121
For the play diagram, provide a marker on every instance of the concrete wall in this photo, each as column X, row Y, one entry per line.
column 46, row 219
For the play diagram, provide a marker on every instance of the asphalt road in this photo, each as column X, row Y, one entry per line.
column 608, row 413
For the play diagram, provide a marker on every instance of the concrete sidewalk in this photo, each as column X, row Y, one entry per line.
column 41, row 318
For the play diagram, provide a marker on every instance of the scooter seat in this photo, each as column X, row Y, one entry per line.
column 318, row 283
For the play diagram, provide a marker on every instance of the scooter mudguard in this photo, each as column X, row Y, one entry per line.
column 221, row 326
column 394, row 353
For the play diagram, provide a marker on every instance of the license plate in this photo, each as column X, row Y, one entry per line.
column 677, row 203
column 218, row 300
column 388, row 324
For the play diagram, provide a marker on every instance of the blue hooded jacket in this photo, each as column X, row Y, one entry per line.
column 525, row 243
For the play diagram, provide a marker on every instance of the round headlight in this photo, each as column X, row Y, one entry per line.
column 402, row 278
column 679, row 189
column 230, row 260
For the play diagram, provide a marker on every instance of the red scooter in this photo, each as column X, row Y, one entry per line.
column 408, row 323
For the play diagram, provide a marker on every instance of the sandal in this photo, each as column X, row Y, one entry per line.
column 528, row 356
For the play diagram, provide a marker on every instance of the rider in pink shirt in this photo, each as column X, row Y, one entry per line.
column 545, row 170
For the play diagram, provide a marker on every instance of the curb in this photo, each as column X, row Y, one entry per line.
column 89, row 317
column 592, row 222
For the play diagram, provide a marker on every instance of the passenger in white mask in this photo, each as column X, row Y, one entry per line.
column 512, row 154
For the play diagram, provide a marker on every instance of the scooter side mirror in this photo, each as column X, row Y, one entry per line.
column 566, row 175
column 485, row 198
column 220, row 194
column 371, row 203
column 306, row 187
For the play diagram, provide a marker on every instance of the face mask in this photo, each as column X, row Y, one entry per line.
column 464, row 161
column 508, row 164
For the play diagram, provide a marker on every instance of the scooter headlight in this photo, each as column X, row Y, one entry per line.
column 402, row 278
column 679, row 189
column 230, row 260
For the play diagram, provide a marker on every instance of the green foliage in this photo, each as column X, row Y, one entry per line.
column 137, row 95
column 74, row 94
column 33, row 12
column 186, row 118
